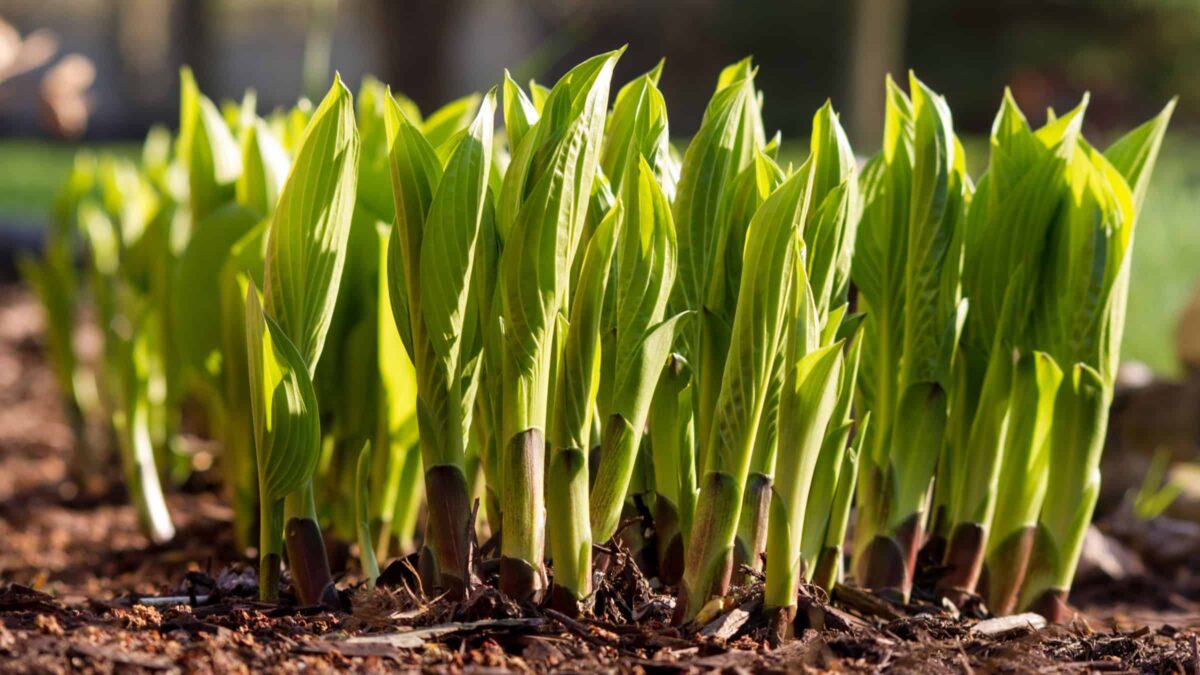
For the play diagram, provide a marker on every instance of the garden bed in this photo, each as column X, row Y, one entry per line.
column 81, row 588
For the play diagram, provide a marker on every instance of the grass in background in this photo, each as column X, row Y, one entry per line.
column 32, row 171
column 1166, row 257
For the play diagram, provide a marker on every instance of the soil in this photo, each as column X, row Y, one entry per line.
column 82, row 590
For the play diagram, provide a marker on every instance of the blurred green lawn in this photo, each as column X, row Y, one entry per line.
column 1166, row 259
column 31, row 171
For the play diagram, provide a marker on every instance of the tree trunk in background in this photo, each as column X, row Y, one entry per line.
column 877, row 49
column 413, row 46
column 192, row 30
column 318, row 47
column 143, row 45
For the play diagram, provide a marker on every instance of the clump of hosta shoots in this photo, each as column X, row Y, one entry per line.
column 540, row 217
column 907, row 267
column 440, row 210
column 573, row 325
column 285, row 335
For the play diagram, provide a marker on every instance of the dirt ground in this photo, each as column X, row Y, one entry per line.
column 82, row 590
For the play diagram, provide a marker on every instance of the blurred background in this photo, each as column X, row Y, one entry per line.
column 99, row 73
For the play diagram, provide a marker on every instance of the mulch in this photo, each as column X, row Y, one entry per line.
column 82, row 590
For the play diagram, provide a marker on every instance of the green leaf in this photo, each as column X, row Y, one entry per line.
column 53, row 282
column 451, row 234
column 829, row 262
column 362, row 514
column 636, row 128
column 1008, row 221
column 538, row 94
column 771, row 248
column 1076, row 442
column 287, row 427
column 878, row 271
column 744, row 195
column 916, row 439
column 934, row 211
column 207, row 149
column 729, row 136
column 1087, row 253
column 645, row 276
column 832, row 229
column 195, row 314
column 897, row 124
column 806, row 406
column 1135, row 153
column 374, row 168
column 345, row 381
column 1025, row 475
column 833, row 161
column 266, row 165
column 416, row 173
column 733, row 72
column 539, row 250
column 671, row 439
column 829, row 490
column 519, row 112
column 397, row 377
column 306, row 246
column 581, row 94
column 445, row 122
column 579, row 372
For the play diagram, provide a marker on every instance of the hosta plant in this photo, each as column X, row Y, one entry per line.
column 772, row 247
column 379, row 313
column 285, row 336
column 540, row 217
column 907, row 267
column 439, row 207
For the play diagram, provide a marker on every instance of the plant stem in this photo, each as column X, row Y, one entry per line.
column 521, row 494
column 446, row 530
column 306, row 550
column 618, row 455
column 751, row 541
column 713, row 348
column 362, row 513
column 570, row 529
column 827, row 570
column 442, row 441
column 270, row 548
column 828, row 480
column 141, row 472
column 977, row 474
column 890, row 558
column 1024, row 479
column 783, row 561
column 807, row 402
column 1077, row 439
column 710, row 547
column 674, row 466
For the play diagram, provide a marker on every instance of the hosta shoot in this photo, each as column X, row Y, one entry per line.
column 306, row 249
column 768, row 273
column 907, row 268
column 1079, row 323
column 439, row 213
column 578, row 380
column 540, row 216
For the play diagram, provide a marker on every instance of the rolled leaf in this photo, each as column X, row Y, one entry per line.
column 306, row 247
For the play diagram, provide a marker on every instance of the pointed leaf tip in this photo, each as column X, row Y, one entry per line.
column 656, row 72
